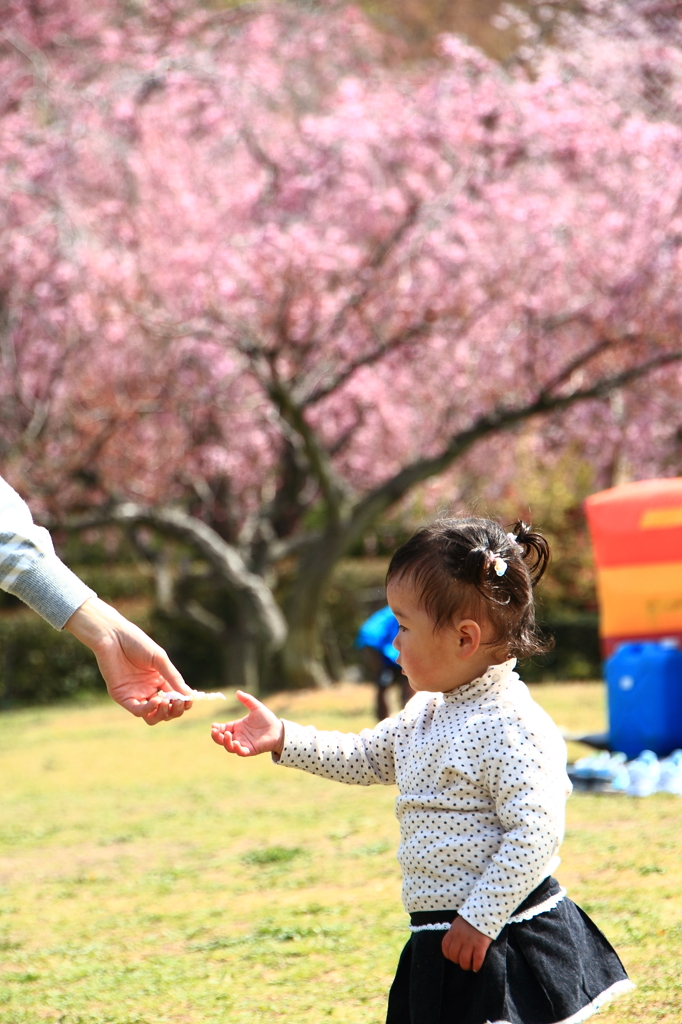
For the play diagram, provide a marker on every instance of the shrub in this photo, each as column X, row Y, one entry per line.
column 38, row 664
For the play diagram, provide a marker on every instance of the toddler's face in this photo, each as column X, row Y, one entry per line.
column 435, row 661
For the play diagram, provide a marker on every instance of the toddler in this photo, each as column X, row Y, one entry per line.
column 480, row 770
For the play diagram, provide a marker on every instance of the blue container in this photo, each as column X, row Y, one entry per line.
column 645, row 698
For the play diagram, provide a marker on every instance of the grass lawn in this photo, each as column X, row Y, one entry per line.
column 148, row 877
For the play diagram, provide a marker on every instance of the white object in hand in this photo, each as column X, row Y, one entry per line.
column 168, row 695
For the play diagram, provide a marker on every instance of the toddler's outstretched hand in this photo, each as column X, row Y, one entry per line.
column 259, row 733
column 465, row 945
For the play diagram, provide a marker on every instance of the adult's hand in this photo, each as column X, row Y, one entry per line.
column 134, row 667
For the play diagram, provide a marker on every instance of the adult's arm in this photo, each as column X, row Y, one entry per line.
column 29, row 567
column 134, row 667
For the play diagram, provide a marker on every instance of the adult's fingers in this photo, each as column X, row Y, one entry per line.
column 140, row 708
column 163, row 712
column 178, row 708
column 155, row 716
column 156, row 709
column 170, row 677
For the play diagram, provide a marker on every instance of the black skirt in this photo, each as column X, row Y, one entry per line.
column 553, row 968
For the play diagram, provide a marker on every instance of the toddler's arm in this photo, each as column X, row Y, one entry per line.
column 133, row 666
column 524, row 771
column 358, row 760
column 261, row 732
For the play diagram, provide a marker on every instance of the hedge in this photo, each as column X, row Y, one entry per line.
column 39, row 665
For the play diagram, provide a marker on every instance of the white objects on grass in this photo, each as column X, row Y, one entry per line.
column 640, row 777
column 621, row 779
column 602, row 766
column 644, row 774
column 670, row 780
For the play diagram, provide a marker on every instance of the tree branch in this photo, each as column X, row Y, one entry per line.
column 376, row 260
column 321, row 467
column 376, row 501
column 280, row 549
column 225, row 559
column 603, row 345
column 392, row 344
column 201, row 617
column 292, row 415
column 259, row 155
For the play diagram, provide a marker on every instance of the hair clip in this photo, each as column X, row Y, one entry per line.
column 511, row 537
column 497, row 562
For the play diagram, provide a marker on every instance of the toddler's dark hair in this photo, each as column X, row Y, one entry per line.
column 452, row 565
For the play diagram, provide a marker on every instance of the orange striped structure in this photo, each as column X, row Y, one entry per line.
column 637, row 537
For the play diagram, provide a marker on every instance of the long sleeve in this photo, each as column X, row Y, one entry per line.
column 524, row 770
column 363, row 759
column 29, row 567
column 482, row 786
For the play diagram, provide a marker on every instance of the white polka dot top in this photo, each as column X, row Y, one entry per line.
column 482, row 778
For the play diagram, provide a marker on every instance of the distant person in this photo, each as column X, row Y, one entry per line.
column 481, row 774
column 133, row 666
column 375, row 640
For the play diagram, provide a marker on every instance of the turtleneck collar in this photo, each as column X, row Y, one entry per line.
column 494, row 679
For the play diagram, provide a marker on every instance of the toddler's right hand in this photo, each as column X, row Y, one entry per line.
column 259, row 733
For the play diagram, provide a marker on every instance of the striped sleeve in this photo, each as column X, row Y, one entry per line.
column 29, row 567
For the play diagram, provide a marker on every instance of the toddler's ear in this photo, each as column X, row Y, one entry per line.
column 469, row 634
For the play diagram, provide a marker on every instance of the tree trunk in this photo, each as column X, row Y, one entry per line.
column 241, row 669
column 301, row 655
column 245, row 656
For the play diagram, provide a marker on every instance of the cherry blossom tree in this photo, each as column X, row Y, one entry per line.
column 260, row 279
